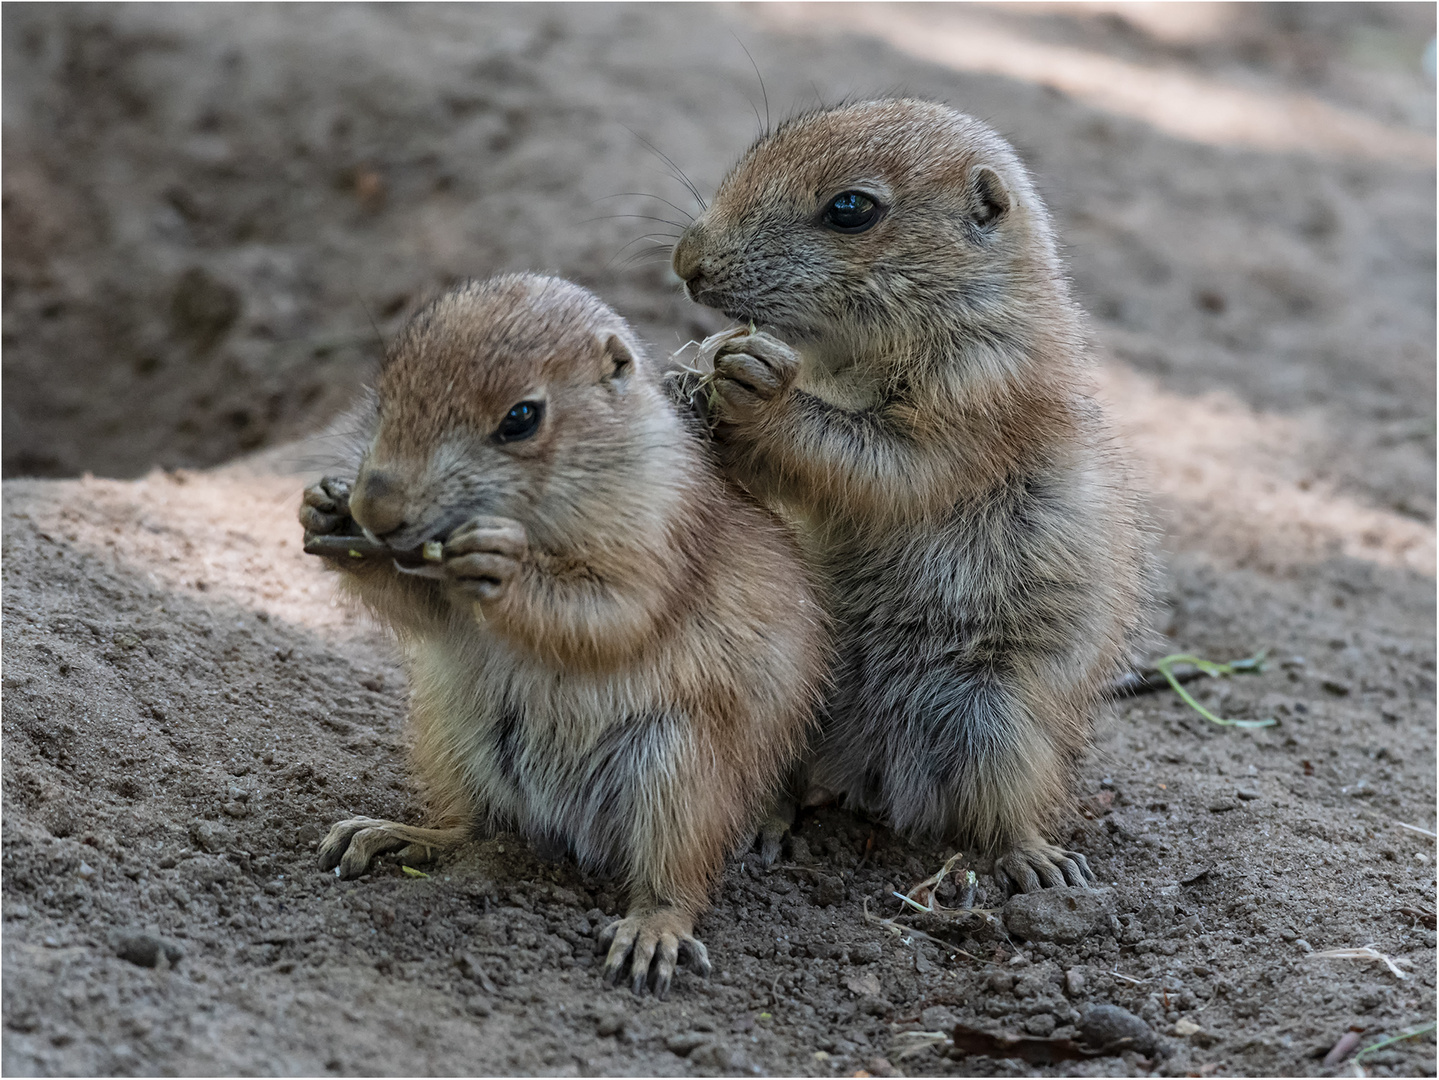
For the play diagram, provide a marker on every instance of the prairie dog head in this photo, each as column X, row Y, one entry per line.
column 523, row 397
column 872, row 225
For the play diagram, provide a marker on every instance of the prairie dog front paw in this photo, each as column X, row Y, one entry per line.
column 325, row 507
column 484, row 556
column 752, row 371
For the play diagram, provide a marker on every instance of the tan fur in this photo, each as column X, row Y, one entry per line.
column 620, row 652
column 917, row 403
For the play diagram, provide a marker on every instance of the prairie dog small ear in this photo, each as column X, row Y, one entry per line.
column 991, row 197
column 618, row 356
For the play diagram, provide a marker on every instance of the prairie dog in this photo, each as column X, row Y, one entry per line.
column 616, row 651
column 917, row 402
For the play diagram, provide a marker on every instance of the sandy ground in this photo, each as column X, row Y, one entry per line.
column 202, row 204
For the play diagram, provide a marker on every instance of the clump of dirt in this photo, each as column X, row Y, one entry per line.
column 193, row 196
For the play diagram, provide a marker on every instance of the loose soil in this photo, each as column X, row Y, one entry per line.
column 202, row 203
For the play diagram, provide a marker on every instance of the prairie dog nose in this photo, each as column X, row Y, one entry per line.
column 378, row 502
column 686, row 258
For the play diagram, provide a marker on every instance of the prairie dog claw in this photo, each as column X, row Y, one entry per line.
column 652, row 945
column 325, row 507
column 352, row 845
column 1036, row 866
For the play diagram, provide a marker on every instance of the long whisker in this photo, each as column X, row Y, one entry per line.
column 642, row 256
column 762, row 90
column 654, row 250
column 647, row 195
column 642, row 217
column 650, row 237
column 379, row 337
column 678, row 172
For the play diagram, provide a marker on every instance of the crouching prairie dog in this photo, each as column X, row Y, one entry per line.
column 916, row 401
column 614, row 650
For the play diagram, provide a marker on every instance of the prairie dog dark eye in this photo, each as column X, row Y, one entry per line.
column 520, row 422
column 851, row 212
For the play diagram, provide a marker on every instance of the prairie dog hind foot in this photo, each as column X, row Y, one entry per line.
column 1037, row 865
column 652, row 944
column 352, row 845
column 777, row 824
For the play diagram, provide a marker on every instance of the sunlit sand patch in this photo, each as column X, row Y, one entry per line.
column 1236, row 482
column 1184, row 104
column 228, row 533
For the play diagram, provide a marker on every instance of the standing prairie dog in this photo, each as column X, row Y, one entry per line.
column 920, row 408
column 614, row 651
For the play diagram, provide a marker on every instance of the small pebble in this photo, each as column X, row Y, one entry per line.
column 863, row 984
column 829, row 891
column 866, row 952
column 683, row 1044
column 1041, row 1024
column 937, row 1018
column 1108, row 1027
column 1074, row 982
column 146, row 950
column 612, row 1024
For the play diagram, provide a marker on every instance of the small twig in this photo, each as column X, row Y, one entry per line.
column 1342, row 1048
column 971, row 956
column 931, row 883
column 1424, row 915
column 703, row 369
column 868, row 848
column 1129, row 978
column 1364, row 952
column 796, row 866
column 931, row 886
column 903, row 932
column 1150, row 681
column 331, row 546
column 914, row 903
column 916, row 1042
column 900, row 930
column 1416, row 828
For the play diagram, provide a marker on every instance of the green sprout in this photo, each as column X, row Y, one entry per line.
column 1255, row 663
column 1413, row 1033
